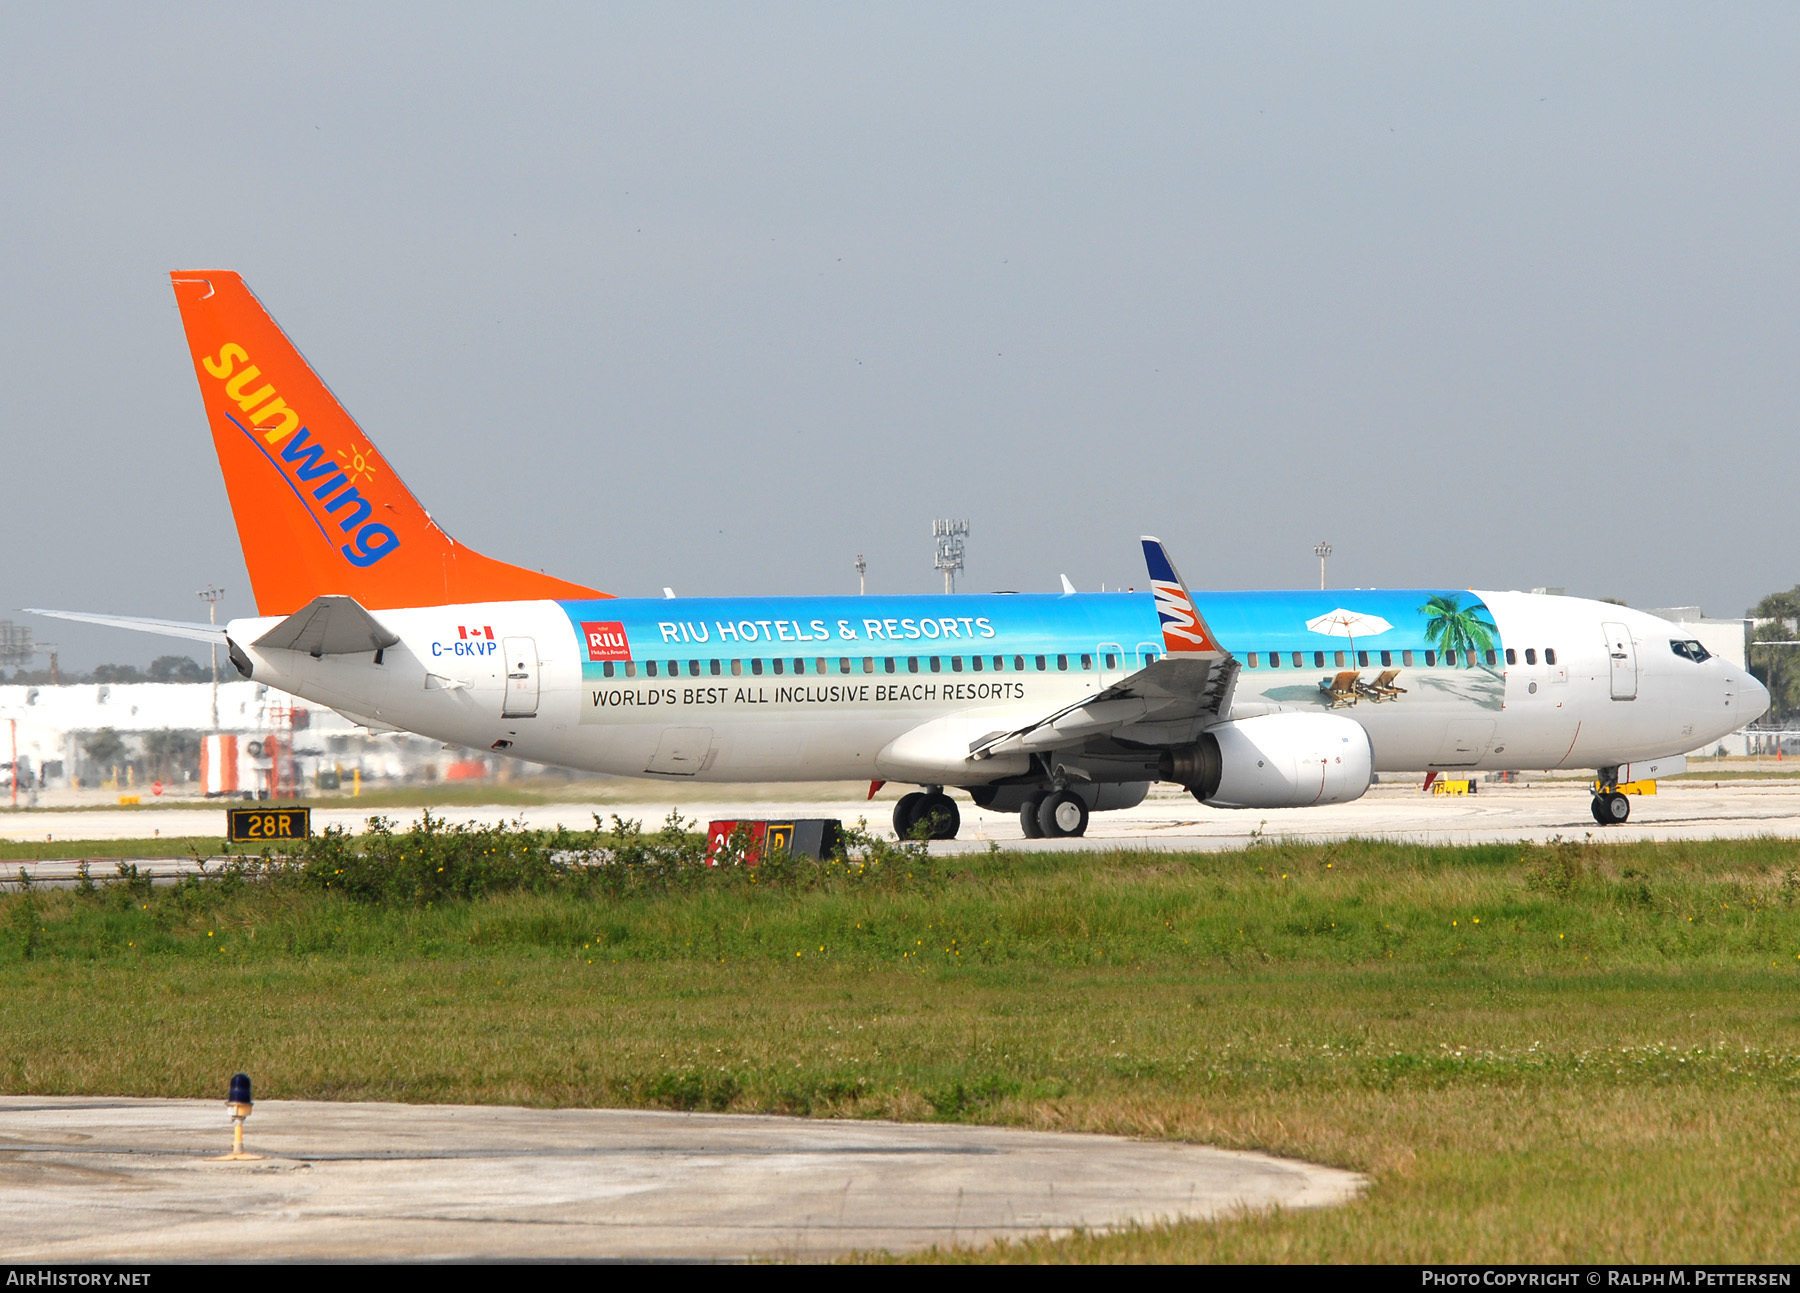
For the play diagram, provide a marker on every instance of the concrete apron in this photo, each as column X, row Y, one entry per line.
column 100, row 1178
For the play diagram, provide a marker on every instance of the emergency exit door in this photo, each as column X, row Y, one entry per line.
column 521, row 677
column 1622, row 656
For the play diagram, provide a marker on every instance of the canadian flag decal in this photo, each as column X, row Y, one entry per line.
column 483, row 632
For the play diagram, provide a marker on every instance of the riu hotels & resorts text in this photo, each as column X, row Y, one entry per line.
column 1631, row 1277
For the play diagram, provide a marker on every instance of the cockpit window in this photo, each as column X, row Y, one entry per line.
column 1690, row 650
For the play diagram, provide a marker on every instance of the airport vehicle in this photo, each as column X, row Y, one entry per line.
column 1051, row 706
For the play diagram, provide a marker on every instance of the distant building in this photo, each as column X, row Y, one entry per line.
column 54, row 726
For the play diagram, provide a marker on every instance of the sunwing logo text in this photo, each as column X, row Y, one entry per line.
column 302, row 461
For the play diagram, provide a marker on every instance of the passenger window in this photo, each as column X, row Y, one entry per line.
column 975, row 663
column 1469, row 657
column 631, row 669
column 844, row 664
column 693, row 668
column 1491, row 657
column 1087, row 662
column 1018, row 664
column 955, row 664
column 650, row 668
column 935, row 666
column 1530, row 655
column 1406, row 659
column 1249, row 661
column 1511, row 656
column 737, row 668
column 715, row 668
column 608, row 669
column 1362, row 659
column 1274, row 659
column 777, row 663
column 1297, row 662
column 999, row 664
column 1318, row 659
column 756, row 667
column 1387, row 659
column 1430, row 659
column 1337, row 658
column 822, row 665
column 800, row 665
column 1062, row 662
column 1549, row 655
column 1149, row 657
column 888, row 662
column 868, row 664
column 1040, row 664
column 912, row 664
column 1112, row 660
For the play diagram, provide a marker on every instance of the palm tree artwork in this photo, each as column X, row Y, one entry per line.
column 1456, row 628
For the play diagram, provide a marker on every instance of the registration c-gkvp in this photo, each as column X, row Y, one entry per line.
column 1049, row 706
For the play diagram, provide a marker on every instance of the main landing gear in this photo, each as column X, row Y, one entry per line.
column 1611, row 808
column 1059, row 815
column 930, row 815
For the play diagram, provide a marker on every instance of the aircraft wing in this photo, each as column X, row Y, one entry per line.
column 330, row 626
column 1194, row 679
column 167, row 628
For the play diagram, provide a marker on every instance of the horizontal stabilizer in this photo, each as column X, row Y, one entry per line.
column 167, row 628
column 330, row 626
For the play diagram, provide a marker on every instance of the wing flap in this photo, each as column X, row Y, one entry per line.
column 1194, row 680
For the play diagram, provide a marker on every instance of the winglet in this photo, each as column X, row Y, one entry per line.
column 1182, row 626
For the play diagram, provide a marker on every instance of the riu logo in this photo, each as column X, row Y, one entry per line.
column 606, row 640
column 302, row 460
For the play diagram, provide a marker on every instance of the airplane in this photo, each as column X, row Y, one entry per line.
column 1050, row 706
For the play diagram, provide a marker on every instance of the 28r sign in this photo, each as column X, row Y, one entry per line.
column 267, row 825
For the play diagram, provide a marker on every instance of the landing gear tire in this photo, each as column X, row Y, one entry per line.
column 906, row 813
column 1063, row 815
column 1611, row 809
column 1028, row 818
column 932, row 817
column 937, row 817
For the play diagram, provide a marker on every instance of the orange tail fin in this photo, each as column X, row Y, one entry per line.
column 318, row 509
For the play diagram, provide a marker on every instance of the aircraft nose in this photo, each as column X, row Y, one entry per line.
column 1753, row 699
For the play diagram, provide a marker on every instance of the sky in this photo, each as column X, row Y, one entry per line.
column 719, row 296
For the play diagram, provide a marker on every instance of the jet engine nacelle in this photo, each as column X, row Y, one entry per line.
column 1277, row 761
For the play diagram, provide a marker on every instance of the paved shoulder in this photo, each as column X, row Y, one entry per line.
column 102, row 1178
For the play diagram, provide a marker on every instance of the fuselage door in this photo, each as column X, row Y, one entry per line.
column 521, row 677
column 1623, row 658
column 1111, row 663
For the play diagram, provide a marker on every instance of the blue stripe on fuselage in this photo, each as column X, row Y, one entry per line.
column 1024, row 623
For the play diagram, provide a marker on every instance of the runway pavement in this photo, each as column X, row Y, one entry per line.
column 1167, row 820
column 104, row 1179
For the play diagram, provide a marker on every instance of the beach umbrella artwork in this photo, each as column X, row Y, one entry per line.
column 1349, row 624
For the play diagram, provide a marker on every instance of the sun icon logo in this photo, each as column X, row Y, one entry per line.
column 356, row 464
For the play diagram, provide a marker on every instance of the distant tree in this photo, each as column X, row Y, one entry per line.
column 177, row 668
column 1777, row 667
column 170, row 752
column 1615, row 601
column 117, row 673
column 104, row 747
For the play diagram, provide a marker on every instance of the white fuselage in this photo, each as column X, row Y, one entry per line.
column 834, row 708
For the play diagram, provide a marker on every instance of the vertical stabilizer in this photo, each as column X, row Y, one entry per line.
column 319, row 511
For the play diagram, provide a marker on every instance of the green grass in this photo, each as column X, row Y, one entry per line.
column 167, row 846
column 1563, row 1053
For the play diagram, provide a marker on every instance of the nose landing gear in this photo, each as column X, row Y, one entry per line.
column 1611, row 808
